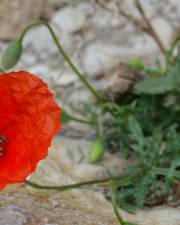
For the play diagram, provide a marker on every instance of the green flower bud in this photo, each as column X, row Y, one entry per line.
column 97, row 150
column 12, row 55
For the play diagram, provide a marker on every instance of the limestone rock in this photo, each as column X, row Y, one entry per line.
column 70, row 19
column 10, row 215
column 31, row 207
column 16, row 14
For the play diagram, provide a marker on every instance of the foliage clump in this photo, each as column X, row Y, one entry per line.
column 147, row 128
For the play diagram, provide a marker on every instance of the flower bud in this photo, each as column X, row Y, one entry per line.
column 12, row 55
column 97, row 150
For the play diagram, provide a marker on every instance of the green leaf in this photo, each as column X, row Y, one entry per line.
column 152, row 85
column 140, row 191
column 135, row 128
column 160, row 85
column 128, row 207
column 12, row 55
column 136, row 63
column 122, row 199
column 153, row 71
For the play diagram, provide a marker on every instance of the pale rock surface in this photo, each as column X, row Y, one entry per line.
column 164, row 29
column 16, row 14
column 70, row 19
column 95, row 38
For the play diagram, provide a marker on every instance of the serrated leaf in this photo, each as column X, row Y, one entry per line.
column 175, row 163
column 160, row 85
column 140, row 192
column 135, row 128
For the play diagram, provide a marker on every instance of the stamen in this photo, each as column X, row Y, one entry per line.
column 1, row 151
column 2, row 139
column 2, row 143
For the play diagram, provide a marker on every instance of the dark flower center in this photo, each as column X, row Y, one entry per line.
column 2, row 144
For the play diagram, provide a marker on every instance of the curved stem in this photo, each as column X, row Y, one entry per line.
column 67, row 187
column 63, row 53
column 113, row 199
column 119, row 180
column 92, row 123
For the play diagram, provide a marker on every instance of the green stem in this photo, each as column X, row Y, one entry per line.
column 121, row 181
column 1, row 71
column 169, row 54
column 65, row 56
column 67, row 187
column 81, row 120
column 100, row 124
column 174, row 44
column 113, row 199
column 75, row 119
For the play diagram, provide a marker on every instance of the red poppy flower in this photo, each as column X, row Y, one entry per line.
column 29, row 118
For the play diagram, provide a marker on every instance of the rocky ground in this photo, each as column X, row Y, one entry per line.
column 23, row 205
column 97, row 38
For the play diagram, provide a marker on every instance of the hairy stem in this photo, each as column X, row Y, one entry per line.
column 63, row 53
column 121, row 181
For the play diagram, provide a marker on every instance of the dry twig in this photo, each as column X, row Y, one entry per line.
column 144, row 25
